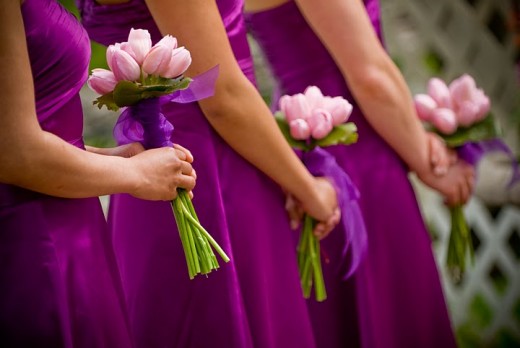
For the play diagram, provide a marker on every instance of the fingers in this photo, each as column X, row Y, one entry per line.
column 439, row 156
column 294, row 211
column 187, row 153
column 452, row 156
column 323, row 229
column 186, row 182
column 463, row 189
column 187, row 169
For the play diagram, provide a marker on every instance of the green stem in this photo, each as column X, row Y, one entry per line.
column 191, row 242
column 460, row 243
column 206, row 233
column 179, row 220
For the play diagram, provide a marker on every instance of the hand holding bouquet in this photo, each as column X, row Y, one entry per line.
column 309, row 122
column 459, row 113
column 142, row 78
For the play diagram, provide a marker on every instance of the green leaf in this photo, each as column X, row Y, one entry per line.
column 284, row 127
column 106, row 100
column 344, row 134
column 482, row 130
column 180, row 83
column 127, row 93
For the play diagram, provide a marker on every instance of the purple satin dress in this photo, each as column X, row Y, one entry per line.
column 395, row 299
column 59, row 284
column 255, row 300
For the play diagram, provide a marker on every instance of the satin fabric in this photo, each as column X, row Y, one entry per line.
column 254, row 301
column 59, row 284
column 395, row 298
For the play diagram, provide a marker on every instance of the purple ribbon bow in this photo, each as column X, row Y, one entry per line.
column 321, row 163
column 144, row 121
column 474, row 151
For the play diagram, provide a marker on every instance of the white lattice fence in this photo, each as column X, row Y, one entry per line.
column 494, row 279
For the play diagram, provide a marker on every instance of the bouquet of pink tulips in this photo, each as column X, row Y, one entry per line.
column 309, row 122
column 459, row 113
column 142, row 78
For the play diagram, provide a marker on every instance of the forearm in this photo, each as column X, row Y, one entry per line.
column 236, row 111
column 241, row 117
column 61, row 169
column 375, row 81
column 387, row 105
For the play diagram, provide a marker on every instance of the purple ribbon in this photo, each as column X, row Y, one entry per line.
column 321, row 163
column 144, row 121
column 474, row 151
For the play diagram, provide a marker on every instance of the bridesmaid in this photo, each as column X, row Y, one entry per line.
column 395, row 299
column 59, row 285
column 256, row 300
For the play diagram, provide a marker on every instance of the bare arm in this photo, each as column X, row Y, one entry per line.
column 40, row 161
column 375, row 81
column 237, row 111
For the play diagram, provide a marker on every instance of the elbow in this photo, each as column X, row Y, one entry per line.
column 229, row 93
column 371, row 83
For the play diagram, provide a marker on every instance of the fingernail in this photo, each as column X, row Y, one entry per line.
column 294, row 224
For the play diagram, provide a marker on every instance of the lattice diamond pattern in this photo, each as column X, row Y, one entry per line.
column 494, row 279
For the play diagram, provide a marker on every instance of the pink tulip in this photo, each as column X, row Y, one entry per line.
column 140, row 42
column 300, row 129
column 438, row 90
column 424, row 105
column 294, row 107
column 125, row 46
column 179, row 62
column 157, row 61
column 466, row 113
column 314, row 97
column 102, row 81
column 483, row 103
column 320, row 123
column 462, row 90
column 110, row 53
column 124, row 66
column 339, row 108
column 444, row 120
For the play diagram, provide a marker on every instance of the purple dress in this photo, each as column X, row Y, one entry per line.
column 255, row 300
column 59, row 284
column 395, row 299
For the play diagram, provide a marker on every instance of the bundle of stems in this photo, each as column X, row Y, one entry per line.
column 196, row 241
column 309, row 262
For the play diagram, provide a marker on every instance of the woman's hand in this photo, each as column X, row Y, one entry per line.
column 323, row 206
column 160, row 172
column 441, row 158
column 456, row 185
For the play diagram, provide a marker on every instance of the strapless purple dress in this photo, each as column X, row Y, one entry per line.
column 395, row 299
column 59, row 284
column 256, row 299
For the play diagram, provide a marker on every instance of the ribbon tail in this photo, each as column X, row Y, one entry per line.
column 352, row 226
column 202, row 86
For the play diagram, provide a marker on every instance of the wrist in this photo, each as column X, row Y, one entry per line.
column 307, row 190
column 129, row 179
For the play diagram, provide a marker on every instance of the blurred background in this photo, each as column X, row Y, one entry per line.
column 444, row 38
